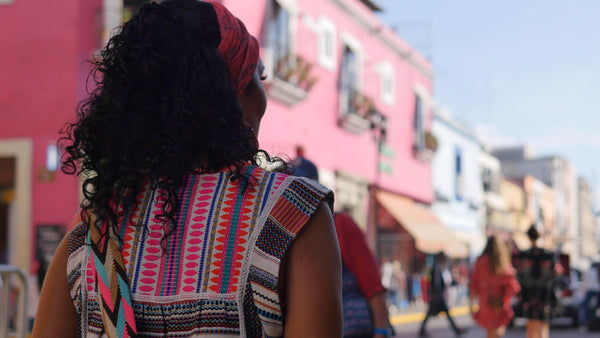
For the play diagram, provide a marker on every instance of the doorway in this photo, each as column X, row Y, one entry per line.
column 15, row 202
column 7, row 196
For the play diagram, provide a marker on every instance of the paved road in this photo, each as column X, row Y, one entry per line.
column 439, row 327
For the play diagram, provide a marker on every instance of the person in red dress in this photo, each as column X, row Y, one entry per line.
column 493, row 283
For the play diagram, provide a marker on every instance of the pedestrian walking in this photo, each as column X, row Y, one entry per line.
column 437, row 290
column 365, row 312
column 537, row 278
column 181, row 234
column 493, row 283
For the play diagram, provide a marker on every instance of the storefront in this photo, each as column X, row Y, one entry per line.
column 408, row 231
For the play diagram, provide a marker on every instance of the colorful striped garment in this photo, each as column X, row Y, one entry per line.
column 219, row 274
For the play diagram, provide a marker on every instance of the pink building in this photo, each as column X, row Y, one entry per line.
column 340, row 82
column 41, row 81
column 339, row 79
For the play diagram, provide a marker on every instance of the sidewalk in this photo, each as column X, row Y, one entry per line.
column 416, row 313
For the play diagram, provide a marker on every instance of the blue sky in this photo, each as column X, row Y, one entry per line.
column 526, row 70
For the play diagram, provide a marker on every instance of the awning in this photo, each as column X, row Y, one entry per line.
column 474, row 240
column 431, row 236
column 521, row 240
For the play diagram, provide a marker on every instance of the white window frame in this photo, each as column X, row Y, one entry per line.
column 354, row 44
column 6, row 2
column 327, row 47
column 426, row 104
column 387, row 74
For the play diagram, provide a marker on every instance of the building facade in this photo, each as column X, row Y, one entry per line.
column 341, row 85
column 587, row 230
column 456, row 176
column 357, row 99
column 494, row 212
column 541, row 209
column 558, row 174
column 516, row 206
column 43, row 78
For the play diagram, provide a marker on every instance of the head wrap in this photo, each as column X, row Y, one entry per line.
column 238, row 48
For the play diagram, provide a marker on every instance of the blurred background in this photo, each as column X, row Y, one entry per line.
column 436, row 123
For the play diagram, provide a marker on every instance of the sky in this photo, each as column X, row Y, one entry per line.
column 523, row 71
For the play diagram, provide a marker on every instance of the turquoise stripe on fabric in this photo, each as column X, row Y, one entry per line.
column 100, row 269
column 125, row 293
column 239, row 198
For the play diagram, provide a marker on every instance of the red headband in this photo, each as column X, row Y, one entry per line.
column 238, row 48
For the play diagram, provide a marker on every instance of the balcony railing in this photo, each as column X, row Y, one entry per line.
column 358, row 112
column 292, row 80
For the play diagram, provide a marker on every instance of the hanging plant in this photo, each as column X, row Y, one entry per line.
column 361, row 104
column 296, row 70
column 431, row 141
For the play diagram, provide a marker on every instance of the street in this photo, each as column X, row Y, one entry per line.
column 439, row 327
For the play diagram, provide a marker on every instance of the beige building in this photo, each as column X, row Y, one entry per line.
column 541, row 209
column 588, row 227
column 494, row 213
column 560, row 175
column 516, row 207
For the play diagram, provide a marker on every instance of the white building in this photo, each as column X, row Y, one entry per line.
column 456, row 175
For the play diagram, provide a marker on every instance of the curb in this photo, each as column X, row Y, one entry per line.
column 407, row 318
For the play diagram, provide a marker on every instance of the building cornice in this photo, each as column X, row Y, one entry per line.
column 385, row 35
column 456, row 125
column 372, row 5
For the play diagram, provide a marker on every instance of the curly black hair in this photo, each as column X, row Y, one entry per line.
column 162, row 107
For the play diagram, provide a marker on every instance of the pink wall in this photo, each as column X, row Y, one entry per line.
column 43, row 76
column 42, row 45
column 313, row 122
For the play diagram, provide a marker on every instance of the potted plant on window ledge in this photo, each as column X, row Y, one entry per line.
column 359, row 113
column 292, row 80
column 429, row 147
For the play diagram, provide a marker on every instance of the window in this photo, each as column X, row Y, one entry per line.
column 348, row 78
column 387, row 85
column 418, row 124
column 490, row 181
column 279, row 38
column 327, row 44
column 116, row 12
column 358, row 112
column 289, row 75
column 486, row 179
column 458, row 174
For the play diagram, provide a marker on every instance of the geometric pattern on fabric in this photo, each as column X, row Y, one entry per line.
column 217, row 273
column 111, row 282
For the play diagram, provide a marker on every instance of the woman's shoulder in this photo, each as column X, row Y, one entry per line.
column 292, row 200
column 305, row 187
column 75, row 237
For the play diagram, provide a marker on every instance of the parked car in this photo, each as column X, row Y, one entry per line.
column 569, row 293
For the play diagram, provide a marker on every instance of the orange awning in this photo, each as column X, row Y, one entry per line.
column 431, row 236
